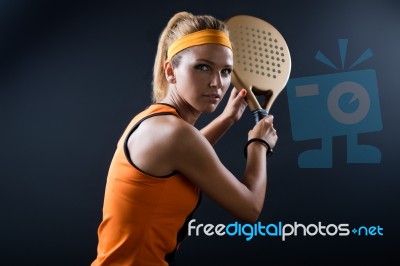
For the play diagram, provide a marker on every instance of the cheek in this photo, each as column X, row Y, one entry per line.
column 183, row 80
column 226, row 83
column 188, row 76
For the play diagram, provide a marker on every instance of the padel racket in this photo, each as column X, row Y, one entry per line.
column 261, row 59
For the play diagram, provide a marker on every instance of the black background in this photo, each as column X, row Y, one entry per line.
column 72, row 75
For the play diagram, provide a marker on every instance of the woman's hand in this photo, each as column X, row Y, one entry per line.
column 236, row 105
column 231, row 114
column 265, row 130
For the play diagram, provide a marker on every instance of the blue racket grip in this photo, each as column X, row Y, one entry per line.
column 259, row 114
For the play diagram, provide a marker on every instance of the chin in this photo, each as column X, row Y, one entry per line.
column 209, row 109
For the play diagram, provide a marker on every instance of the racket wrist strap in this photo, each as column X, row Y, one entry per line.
column 263, row 142
column 259, row 114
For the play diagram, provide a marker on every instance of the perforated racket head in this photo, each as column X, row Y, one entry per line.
column 261, row 59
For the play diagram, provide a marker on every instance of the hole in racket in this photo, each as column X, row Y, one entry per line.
column 266, row 60
column 263, row 97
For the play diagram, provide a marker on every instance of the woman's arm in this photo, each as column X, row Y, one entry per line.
column 196, row 159
column 190, row 153
column 231, row 114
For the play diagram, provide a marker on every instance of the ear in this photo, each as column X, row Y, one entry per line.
column 169, row 72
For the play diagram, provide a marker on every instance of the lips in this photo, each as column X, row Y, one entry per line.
column 212, row 96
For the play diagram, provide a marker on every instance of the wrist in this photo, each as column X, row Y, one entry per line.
column 260, row 142
column 226, row 119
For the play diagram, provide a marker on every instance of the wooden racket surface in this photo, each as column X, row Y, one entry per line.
column 261, row 57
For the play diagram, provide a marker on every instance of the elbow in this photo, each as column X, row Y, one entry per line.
column 251, row 215
column 253, row 211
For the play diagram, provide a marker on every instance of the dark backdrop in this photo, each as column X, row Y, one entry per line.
column 72, row 75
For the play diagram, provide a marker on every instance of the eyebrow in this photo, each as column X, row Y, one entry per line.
column 212, row 63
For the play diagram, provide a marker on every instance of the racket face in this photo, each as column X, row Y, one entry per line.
column 261, row 56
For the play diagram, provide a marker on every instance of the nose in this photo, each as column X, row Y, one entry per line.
column 216, row 81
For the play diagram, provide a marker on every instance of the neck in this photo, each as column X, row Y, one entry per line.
column 188, row 113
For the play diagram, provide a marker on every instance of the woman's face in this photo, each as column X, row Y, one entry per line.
column 204, row 75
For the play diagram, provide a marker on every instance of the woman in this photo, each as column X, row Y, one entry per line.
column 162, row 161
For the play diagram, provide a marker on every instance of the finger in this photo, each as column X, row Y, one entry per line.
column 237, row 98
column 240, row 95
column 243, row 93
column 233, row 94
column 269, row 118
column 269, row 123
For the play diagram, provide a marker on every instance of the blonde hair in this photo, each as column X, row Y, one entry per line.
column 179, row 25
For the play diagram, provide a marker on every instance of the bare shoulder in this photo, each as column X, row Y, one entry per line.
column 160, row 141
column 169, row 128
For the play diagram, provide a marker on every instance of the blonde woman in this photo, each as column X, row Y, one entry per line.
column 163, row 163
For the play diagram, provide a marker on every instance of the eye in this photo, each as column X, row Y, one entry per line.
column 226, row 71
column 202, row 67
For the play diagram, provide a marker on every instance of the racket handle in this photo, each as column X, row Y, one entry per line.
column 259, row 114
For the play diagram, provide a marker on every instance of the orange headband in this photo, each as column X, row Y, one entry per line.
column 199, row 38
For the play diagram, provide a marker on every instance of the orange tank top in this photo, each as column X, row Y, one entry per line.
column 144, row 217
